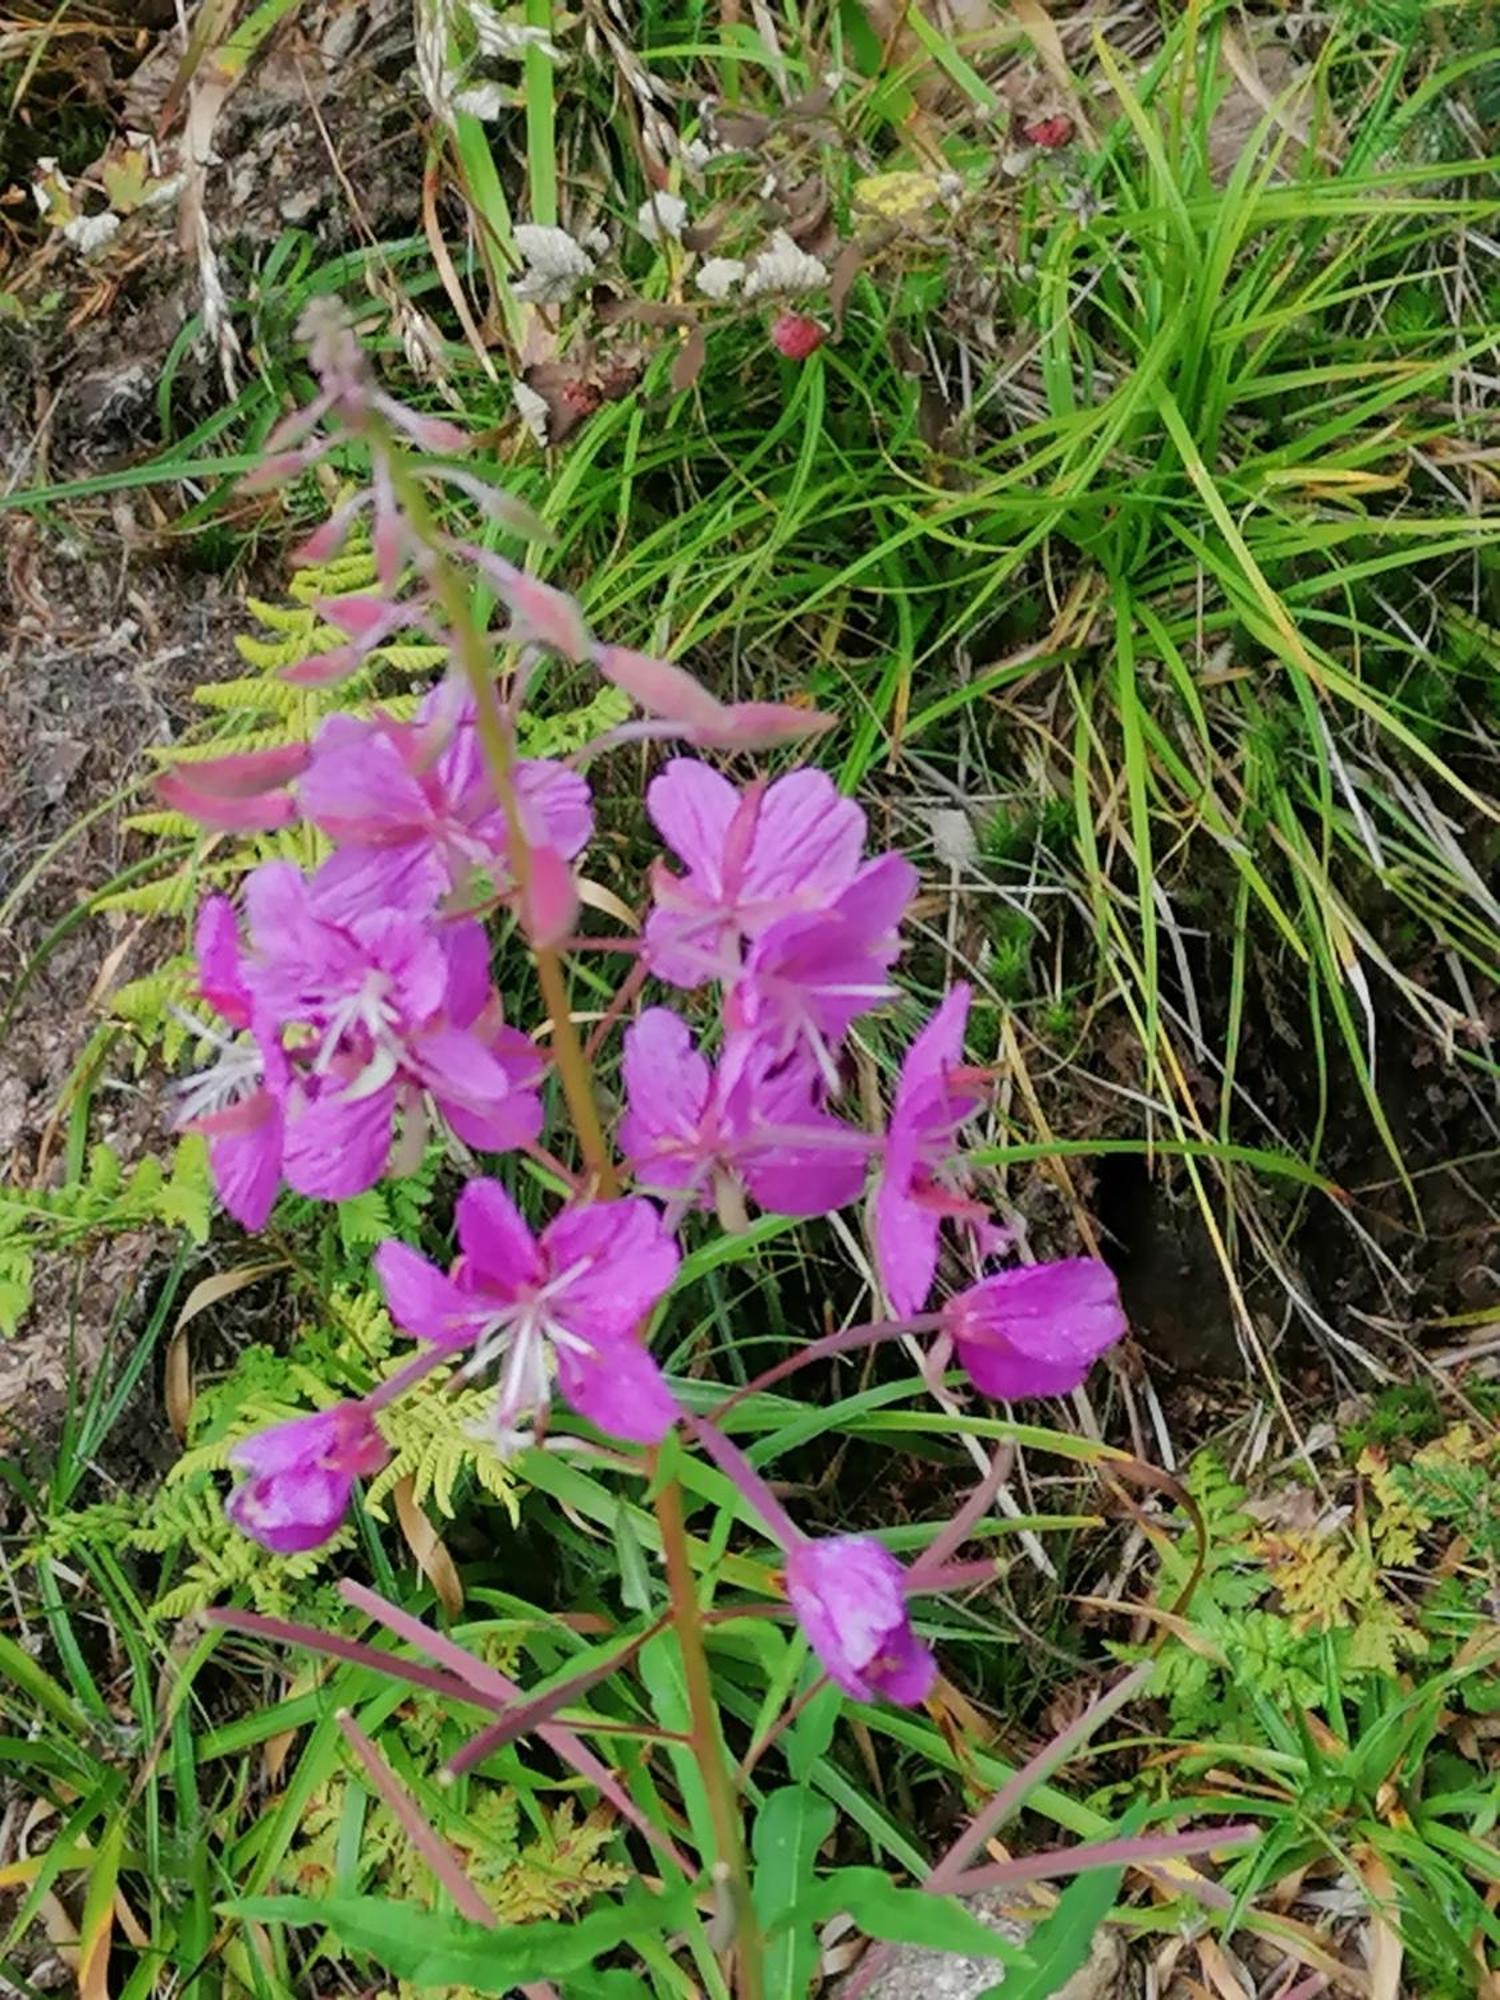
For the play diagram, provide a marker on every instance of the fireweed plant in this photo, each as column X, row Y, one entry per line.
column 357, row 1013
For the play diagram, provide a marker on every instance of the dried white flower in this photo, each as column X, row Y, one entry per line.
column 833, row 79
column 531, row 408
column 697, row 154
column 784, row 268
column 660, row 218
column 596, row 241
column 508, row 40
column 88, row 233
column 1014, row 163
column 953, row 840
column 717, row 277
column 556, row 265
column 484, row 101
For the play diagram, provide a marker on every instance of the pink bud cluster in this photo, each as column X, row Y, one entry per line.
column 359, row 1016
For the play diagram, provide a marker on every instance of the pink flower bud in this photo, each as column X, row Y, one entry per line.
column 677, row 697
column 796, row 336
column 357, row 616
column 1035, row 1330
column 549, row 903
column 322, row 669
column 243, row 793
column 301, row 1476
column 850, row 1599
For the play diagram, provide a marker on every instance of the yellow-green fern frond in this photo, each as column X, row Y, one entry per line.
column 436, row 1438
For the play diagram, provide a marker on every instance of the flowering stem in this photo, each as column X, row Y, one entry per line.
column 708, row 1746
column 474, row 659
column 573, row 1073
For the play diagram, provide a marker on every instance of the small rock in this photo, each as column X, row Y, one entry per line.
column 911, row 1972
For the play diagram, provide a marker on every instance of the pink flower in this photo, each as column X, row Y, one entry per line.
column 235, row 1103
column 752, row 858
column 413, row 812
column 850, row 1599
column 796, row 336
column 750, row 1120
column 572, row 1299
column 382, row 1011
column 301, row 1476
column 807, row 978
column 934, row 1097
column 1037, row 1329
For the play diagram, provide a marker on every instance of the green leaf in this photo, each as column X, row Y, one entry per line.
column 660, row 1664
column 807, row 1740
column 1060, row 1946
column 635, row 1577
column 22, row 1672
column 441, row 1951
column 900, row 1916
column 789, row 1829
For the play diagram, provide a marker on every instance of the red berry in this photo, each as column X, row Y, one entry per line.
column 796, row 336
column 1050, row 133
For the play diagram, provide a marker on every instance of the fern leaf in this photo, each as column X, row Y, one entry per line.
column 354, row 569
column 435, row 1439
column 255, row 693
column 144, row 1003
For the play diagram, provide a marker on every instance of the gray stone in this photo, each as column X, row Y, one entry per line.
column 910, row 1972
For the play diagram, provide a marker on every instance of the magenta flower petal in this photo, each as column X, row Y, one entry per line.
column 938, row 1049
column 692, row 807
column 423, row 1300
column 499, row 1250
column 358, row 786
column 221, row 974
column 619, row 1388
column 667, row 1087
column 556, row 806
column 470, row 990
column 359, row 881
column 571, row 1301
column 849, row 1596
column 876, row 900
column 906, row 1239
column 806, row 843
column 501, row 1128
column 246, row 1162
column 301, row 1475
column 1037, row 1329
column 458, row 1068
column 338, row 1145
column 913, row 1197
column 621, row 1261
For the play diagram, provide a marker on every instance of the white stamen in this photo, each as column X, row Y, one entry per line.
column 234, row 1076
